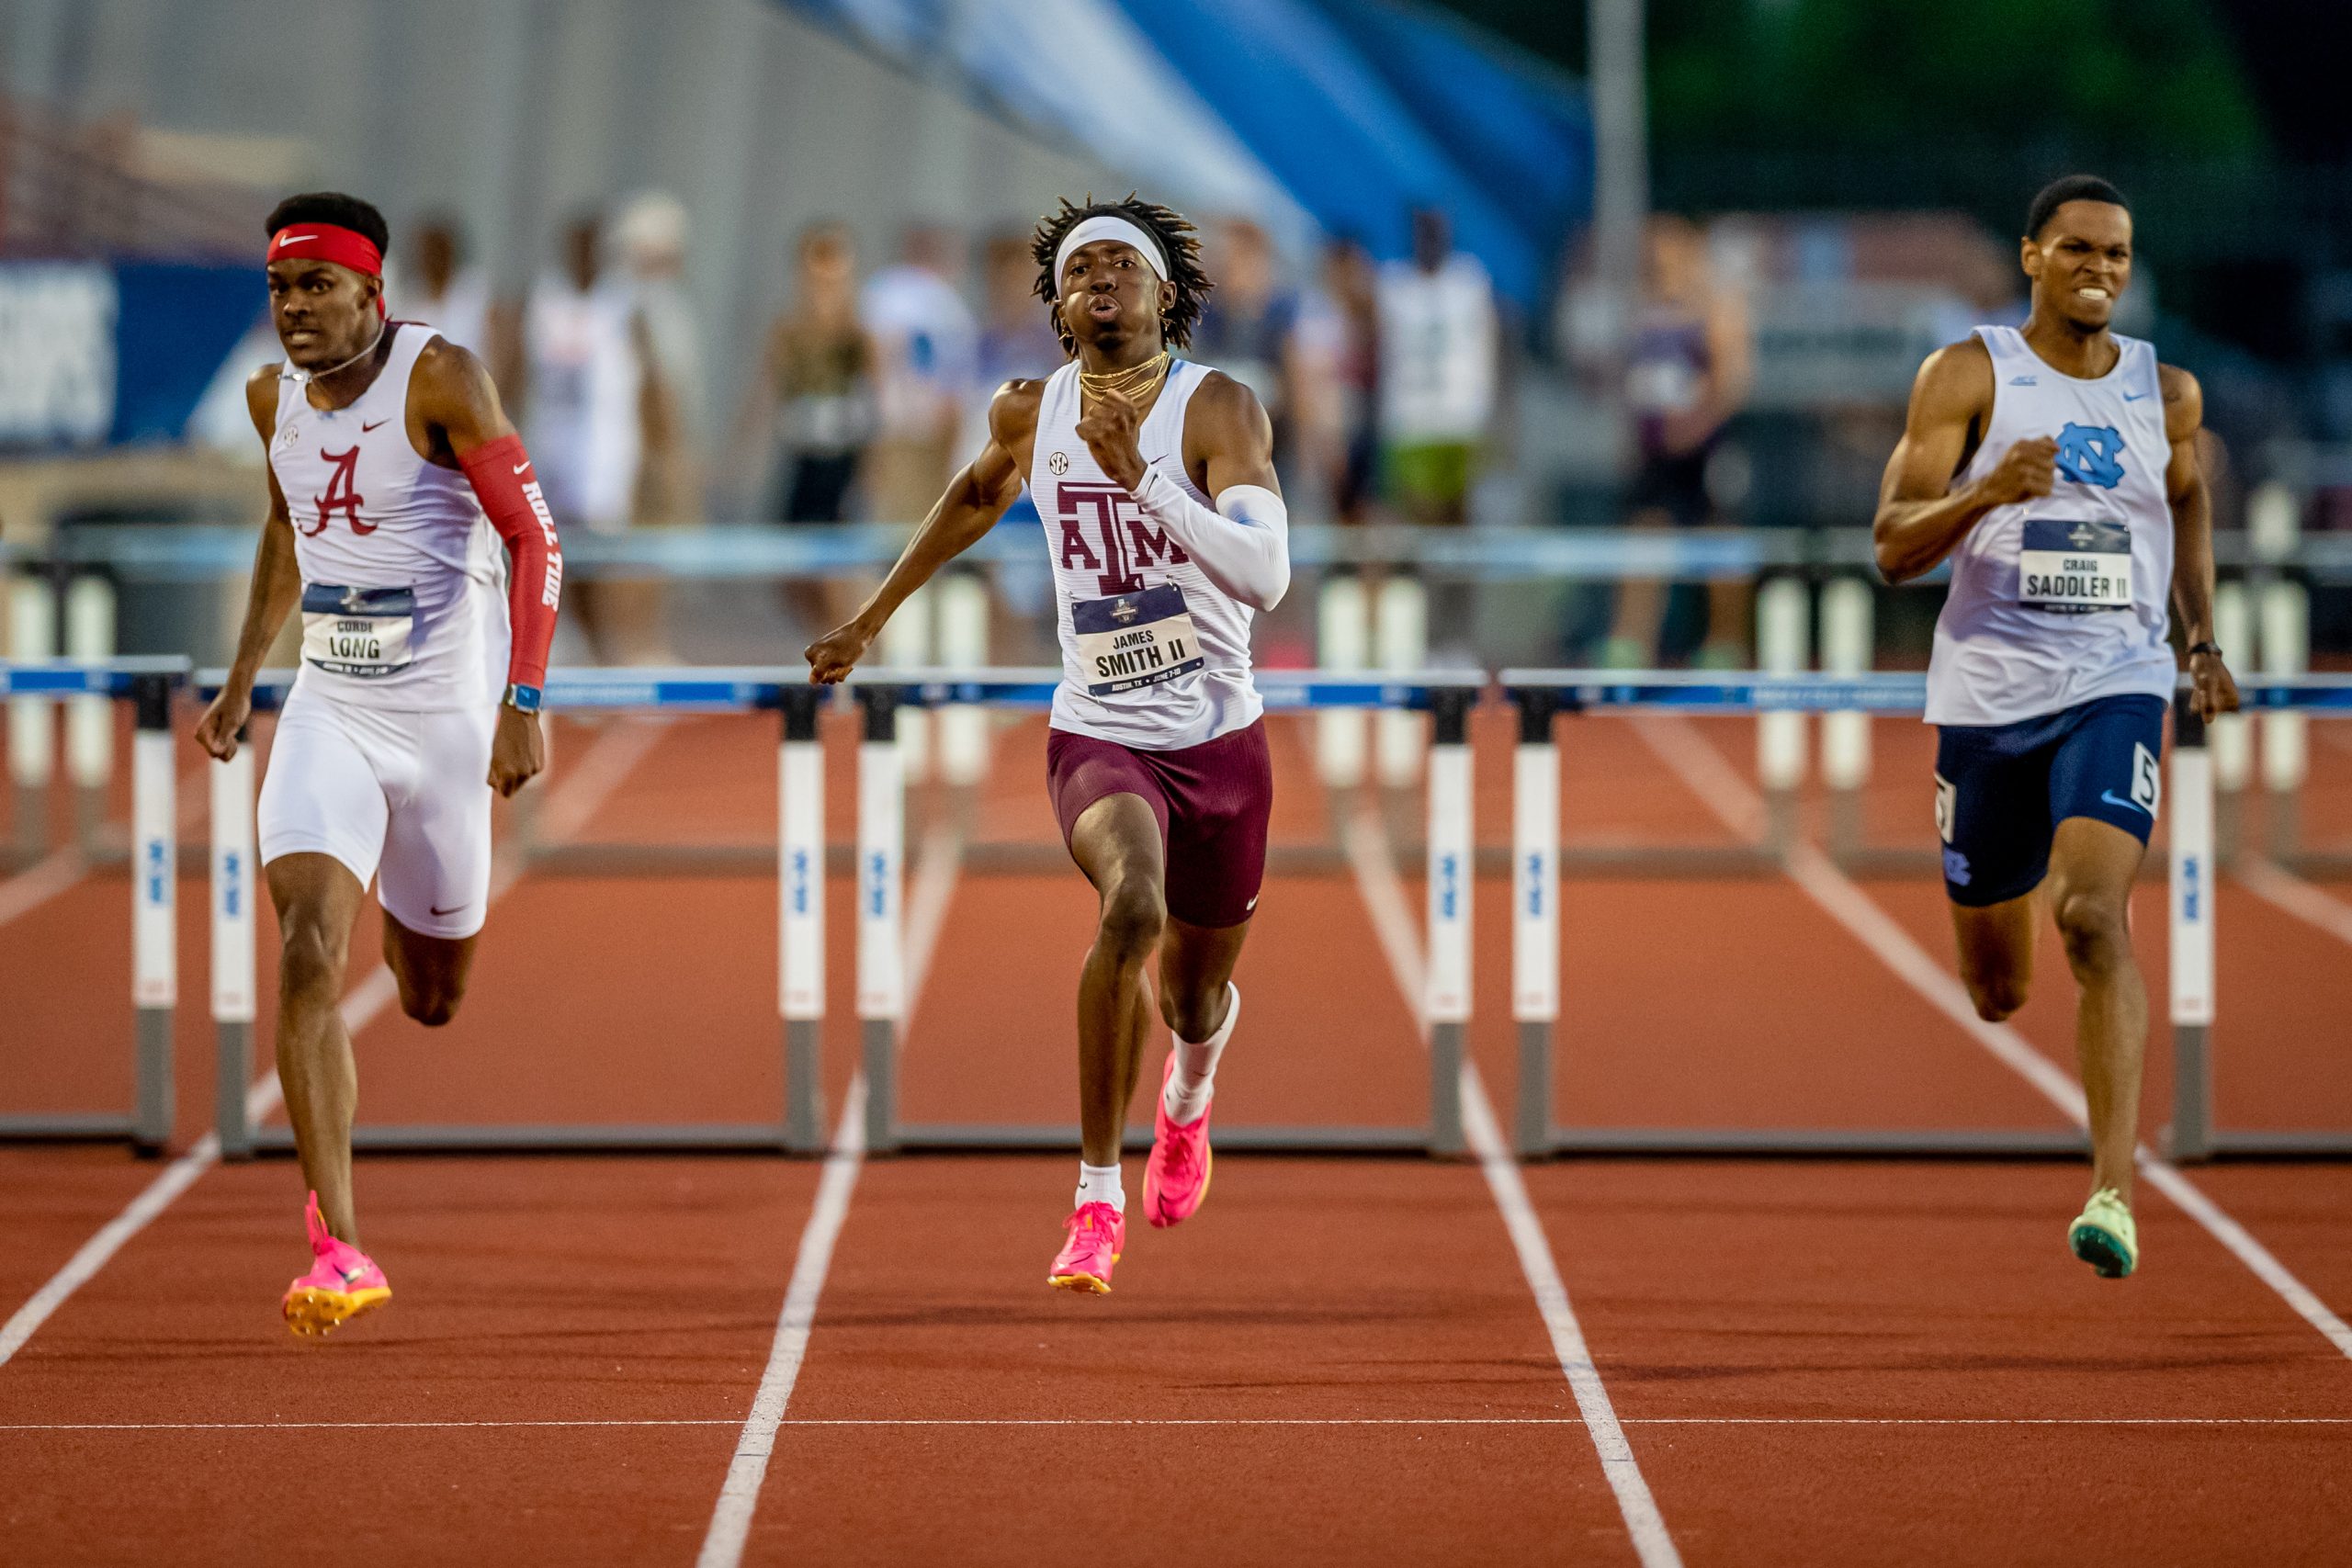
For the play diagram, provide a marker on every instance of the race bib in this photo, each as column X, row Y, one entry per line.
column 2074, row 567
column 357, row 631
column 1135, row 640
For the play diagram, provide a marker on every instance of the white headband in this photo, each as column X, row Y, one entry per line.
column 1108, row 227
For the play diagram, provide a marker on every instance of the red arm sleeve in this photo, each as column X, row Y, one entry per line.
column 500, row 474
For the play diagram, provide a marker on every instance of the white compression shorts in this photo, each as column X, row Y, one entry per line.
column 404, row 793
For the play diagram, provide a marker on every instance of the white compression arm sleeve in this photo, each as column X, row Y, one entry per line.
column 1243, row 547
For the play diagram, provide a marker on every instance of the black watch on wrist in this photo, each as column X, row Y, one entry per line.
column 521, row 698
column 2207, row 647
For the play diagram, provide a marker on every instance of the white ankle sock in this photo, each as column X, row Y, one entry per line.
column 1099, row 1184
column 1194, row 1081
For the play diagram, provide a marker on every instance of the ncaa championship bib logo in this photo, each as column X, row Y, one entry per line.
column 2091, row 455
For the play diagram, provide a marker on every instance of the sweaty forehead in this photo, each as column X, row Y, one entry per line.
column 2094, row 223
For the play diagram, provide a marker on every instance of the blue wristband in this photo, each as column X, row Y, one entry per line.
column 522, row 698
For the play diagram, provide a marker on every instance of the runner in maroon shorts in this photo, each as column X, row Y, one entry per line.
column 1157, row 762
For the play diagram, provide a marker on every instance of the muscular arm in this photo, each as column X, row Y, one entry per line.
column 2192, row 540
column 276, row 587
column 1243, row 547
column 974, row 499
column 1921, row 518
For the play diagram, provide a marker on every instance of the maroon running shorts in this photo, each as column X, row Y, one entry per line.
column 1212, row 801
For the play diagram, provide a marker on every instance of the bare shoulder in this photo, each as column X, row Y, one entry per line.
column 445, row 366
column 1012, row 411
column 1955, row 383
column 2184, row 401
column 1222, row 403
column 261, row 397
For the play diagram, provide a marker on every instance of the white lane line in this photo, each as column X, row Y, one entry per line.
column 1383, row 892
column 41, row 881
column 374, row 992
column 2282, row 889
column 739, row 1494
column 1686, row 751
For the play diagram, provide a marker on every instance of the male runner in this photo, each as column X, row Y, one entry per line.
column 2056, row 468
column 400, row 464
column 1156, row 762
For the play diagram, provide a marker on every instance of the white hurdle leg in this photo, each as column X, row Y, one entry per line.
column 154, row 927
column 1783, row 635
column 800, row 921
column 235, row 885
column 1846, row 650
column 1342, row 641
column 1404, row 642
column 2286, row 735
column 2228, row 736
column 1446, row 1006
column 881, row 963
column 2192, row 931
column 32, row 636
column 907, row 645
column 89, row 720
column 1536, row 913
column 964, row 645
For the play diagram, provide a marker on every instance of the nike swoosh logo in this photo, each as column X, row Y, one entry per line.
column 2109, row 797
column 450, row 910
column 2141, row 398
column 522, row 466
column 365, row 428
column 351, row 1276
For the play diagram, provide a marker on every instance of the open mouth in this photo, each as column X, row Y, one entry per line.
column 1102, row 307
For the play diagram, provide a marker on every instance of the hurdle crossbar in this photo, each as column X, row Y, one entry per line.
column 881, row 959
column 149, row 684
column 798, row 1126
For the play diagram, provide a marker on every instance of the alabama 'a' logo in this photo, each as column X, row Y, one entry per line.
column 342, row 495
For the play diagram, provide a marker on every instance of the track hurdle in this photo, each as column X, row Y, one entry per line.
column 2194, row 1134
column 798, row 1126
column 884, row 695
column 1542, row 697
column 149, row 686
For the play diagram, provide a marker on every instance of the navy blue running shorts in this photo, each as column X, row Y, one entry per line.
column 2001, row 789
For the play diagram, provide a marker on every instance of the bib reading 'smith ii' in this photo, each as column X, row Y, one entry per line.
column 2074, row 567
column 1135, row 640
column 357, row 631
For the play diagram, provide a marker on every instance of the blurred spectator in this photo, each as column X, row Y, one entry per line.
column 1250, row 327
column 925, row 345
column 1439, row 362
column 438, row 287
column 1337, row 390
column 651, row 236
column 816, row 384
column 585, row 399
column 1687, row 371
column 1016, row 342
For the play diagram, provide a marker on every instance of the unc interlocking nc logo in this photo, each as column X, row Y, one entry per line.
column 2091, row 455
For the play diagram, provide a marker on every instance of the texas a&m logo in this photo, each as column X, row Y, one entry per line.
column 342, row 495
column 1127, row 539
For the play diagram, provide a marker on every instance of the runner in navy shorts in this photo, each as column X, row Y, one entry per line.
column 2001, row 789
column 1212, row 801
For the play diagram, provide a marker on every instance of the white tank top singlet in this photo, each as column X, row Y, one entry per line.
column 1153, row 656
column 2064, row 600
column 403, row 578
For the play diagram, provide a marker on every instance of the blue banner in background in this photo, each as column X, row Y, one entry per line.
column 174, row 327
column 94, row 354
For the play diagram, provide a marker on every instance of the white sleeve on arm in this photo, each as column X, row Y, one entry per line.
column 1243, row 547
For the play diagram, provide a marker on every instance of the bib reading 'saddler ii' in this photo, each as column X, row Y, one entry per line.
column 2062, row 600
column 1153, row 656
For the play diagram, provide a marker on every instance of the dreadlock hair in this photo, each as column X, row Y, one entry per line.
column 1176, row 237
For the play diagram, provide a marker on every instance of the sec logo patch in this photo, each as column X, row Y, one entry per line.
column 1057, row 465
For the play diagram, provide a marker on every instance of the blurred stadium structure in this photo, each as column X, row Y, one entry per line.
column 1318, row 141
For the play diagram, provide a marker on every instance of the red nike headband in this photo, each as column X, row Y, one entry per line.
column 326, row 242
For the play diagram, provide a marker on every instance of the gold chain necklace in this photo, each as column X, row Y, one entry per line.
column 1136, row 383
